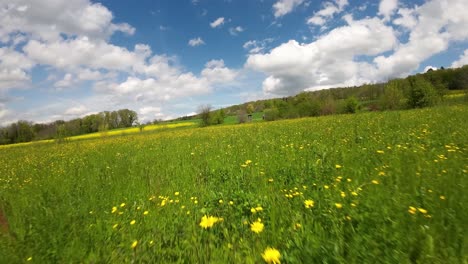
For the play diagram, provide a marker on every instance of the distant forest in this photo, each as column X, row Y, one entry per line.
column 416, row 91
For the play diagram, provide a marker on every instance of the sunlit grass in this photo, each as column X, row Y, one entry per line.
column 374, row 187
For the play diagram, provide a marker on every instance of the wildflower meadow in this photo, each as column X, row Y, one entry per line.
column 385, row 187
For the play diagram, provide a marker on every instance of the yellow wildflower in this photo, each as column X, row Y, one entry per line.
column 258, row 208
column 423, row 211
column 114, row 209
column 338, row 205
column 380, row 151
column 145, row 212
column 257, row 226
column 122, row 205
column 134, row 244
column 176, row 193
column 29, row 259
column 208, row 221
column 271, row 256
column 442, row 197
column 132, row 222
column 375, row 181
column 309, row 203
column 338, row 166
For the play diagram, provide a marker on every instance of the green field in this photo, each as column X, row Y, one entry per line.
column 386, row 187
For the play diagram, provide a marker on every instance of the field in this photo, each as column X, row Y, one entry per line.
column 366, row 188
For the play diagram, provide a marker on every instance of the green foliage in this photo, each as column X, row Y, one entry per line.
column 271, row 114
column 393, row 96
column 204, row 113
column 421, row 93
column 351, row 105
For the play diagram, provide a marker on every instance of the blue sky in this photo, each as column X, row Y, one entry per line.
column 62, row 59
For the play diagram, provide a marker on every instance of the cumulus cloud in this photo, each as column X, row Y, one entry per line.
column 326, row 62
column 365, row 50
column 328, row 11
column 462, row 60
column 196, row 42
column 48, row 19
column 83, row 51
column 217, row 23
column 283, row 7
column 387, row 8
column 14, row 67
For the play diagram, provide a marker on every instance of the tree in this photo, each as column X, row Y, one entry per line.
column 271, row 114
column 204, row 112
column 218, row 117
column 422, row 93
column 351, row 105
column 392, row 98
column 250, row 109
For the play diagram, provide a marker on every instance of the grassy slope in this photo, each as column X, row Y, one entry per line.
column 59, row 198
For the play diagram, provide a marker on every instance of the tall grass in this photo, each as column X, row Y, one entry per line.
column 385, row 188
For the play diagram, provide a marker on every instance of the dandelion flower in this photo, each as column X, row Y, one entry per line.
column 176, row 193
column 375, row 181
column 257, row 226
column 134, row 244
column 442, row 197
column 114, row 209
column 380, row 151
column 423, row 211
column 145, row 213
column 338, row 205
column 338, row 166
column 132, row 222
column 258, row 208
column 271, row 256
column 308, row 203
column 122, row 205
column 208, row 221
column 29, row 259
column 221, row 201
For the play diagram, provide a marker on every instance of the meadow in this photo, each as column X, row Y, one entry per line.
column 386, row 187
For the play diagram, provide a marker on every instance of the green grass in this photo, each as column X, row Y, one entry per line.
column 75, row 202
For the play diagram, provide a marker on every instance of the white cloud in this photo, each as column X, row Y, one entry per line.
column 67, row 81
column 406, row 19
column 365, row 50
column 76, row 111
column 48, row 19
column 462, row 60
column 283, row 7
column 215, row 72
column 83, row 51
column 236, row 30
column 14, row 67
column 328, row 61
column 196, row 42
column 387, row 8
column 217, row 23
column 255, row 46
column 328, row 11
column 439, row 22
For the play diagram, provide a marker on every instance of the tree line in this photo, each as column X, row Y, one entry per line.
column 416, row 91
column 25, row 131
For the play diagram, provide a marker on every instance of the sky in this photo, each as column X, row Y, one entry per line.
column 63, row 59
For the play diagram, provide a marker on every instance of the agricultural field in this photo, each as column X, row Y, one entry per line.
column 385, row 187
